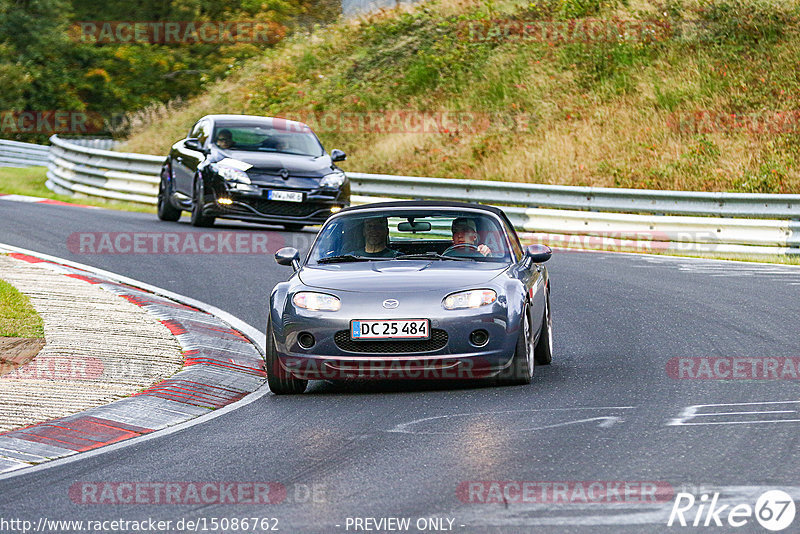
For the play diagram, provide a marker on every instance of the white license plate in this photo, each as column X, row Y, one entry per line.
column 390, row 329
column 288, row 196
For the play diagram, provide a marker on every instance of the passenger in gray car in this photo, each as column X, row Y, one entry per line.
column 376, row 236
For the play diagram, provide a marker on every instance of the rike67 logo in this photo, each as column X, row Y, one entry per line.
column 774, row 510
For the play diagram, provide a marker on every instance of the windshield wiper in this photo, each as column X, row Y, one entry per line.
column 348, row 257
column 430, row 256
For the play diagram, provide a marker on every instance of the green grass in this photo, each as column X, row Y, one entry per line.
column 17, row 316
column 783, row 260
column 599, row 113
column 30, row 181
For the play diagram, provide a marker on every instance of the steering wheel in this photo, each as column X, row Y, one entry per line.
column 461, row 245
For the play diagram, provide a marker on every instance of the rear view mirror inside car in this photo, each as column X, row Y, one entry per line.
column 416, row 226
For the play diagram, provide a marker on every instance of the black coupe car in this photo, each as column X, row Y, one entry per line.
column 259, row 169
column 411, row 289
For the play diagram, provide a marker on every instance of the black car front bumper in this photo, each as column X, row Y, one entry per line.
column 316, row 207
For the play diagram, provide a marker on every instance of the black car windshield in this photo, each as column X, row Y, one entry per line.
column 273, row 135
column 446, row 235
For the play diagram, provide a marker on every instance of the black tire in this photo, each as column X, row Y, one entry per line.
column 280, row 382
column 521, row 369
column 543, row 352
column 166, row 211
column 293, row 227
column 199, row 218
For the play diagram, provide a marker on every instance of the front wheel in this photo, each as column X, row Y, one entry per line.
column 166, row 211
column 521, row 369
column 279, row 380
column 199, row 218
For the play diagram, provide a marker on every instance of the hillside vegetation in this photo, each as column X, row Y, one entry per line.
column 703, row 95
column 49, row 64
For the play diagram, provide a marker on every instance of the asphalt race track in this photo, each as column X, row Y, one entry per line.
column 606, row 410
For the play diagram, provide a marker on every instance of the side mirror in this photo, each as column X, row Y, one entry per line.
column 538, row 253
column 193, row 144
column 288, row 256
column 338, row 155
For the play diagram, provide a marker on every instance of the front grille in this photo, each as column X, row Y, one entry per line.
column 437, row 341
column 290, row 209
column 277, row 178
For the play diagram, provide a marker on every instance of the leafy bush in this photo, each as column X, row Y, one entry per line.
column 573, row 9
column 745, row 21
column 46, row 64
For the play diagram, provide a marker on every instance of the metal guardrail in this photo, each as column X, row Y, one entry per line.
column 761, row 206
column 103, row 173
column 642, row 220
column 102, row 143
column 649, row 233
column 16, row 154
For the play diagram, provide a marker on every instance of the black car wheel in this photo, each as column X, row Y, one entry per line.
column 280, row 382
column 543, row 352
column 199, row 218
column 293, row 227
column 521, row 369
column 166, row 211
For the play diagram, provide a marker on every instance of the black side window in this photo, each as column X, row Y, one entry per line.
column 516, row 247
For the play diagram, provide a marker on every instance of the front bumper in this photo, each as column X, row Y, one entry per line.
column 252, row 205
column 449, row 354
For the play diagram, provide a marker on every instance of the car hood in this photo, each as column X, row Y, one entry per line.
column 401, row 275
column 271, row 163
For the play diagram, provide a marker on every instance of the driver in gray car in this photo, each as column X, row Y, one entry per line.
column 465, row 234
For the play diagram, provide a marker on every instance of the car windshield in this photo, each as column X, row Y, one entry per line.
column 411, row 235
column 273, row 135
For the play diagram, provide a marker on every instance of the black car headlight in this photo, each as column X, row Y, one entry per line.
column 474, row 298
column 333, row 180
column 231, row 174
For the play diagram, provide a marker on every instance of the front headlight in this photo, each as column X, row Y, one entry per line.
column 334, row 179
column 309, row 300
column 474, row 298
column 234, row 175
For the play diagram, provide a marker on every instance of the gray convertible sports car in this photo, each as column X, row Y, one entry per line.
column 412, row 289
